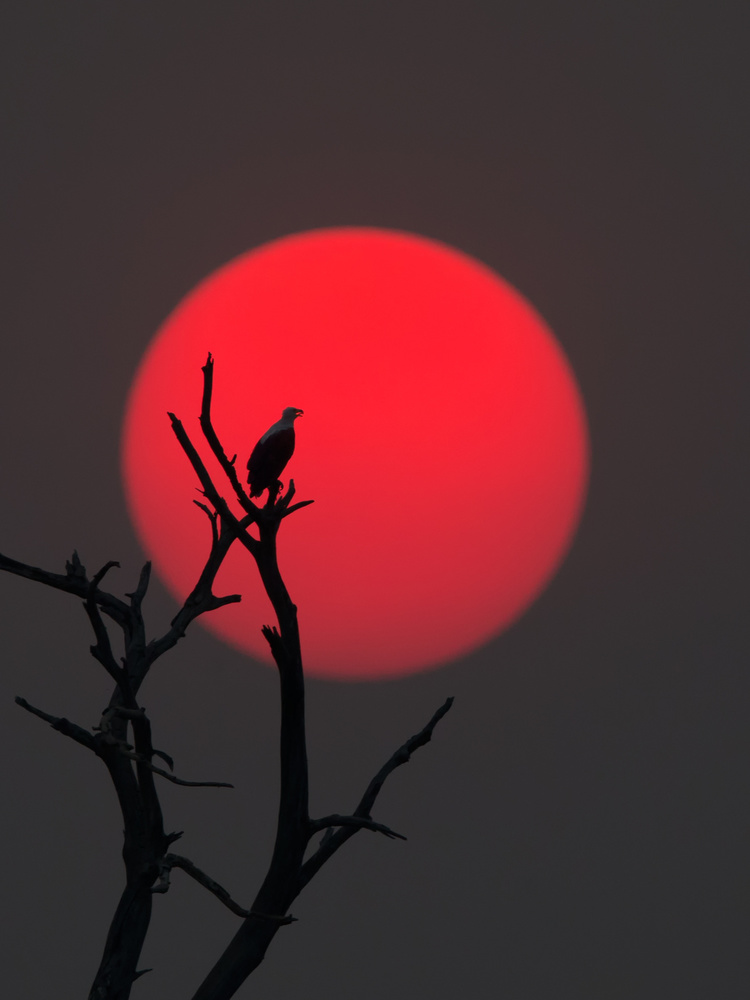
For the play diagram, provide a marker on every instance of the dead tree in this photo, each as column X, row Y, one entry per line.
column 123, row 739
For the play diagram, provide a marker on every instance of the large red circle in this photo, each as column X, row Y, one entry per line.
column 444, row 442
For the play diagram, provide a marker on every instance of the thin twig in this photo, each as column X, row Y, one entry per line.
column 170, row 861
column 62, row 725
column 213, row 518
column 332, row 842
column 144, row 762
column 296, row 506
column 136, row 598
column 102, row 649
column 213, row 440
column 401, row 756
column 359, row 822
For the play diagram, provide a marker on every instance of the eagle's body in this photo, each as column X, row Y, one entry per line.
column 271, row 453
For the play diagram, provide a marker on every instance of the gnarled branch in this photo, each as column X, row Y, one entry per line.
column 146, row 844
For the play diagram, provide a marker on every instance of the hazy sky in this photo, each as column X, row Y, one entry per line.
column 579, row 826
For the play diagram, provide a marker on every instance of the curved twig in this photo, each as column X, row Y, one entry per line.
column 144, row 762
column 358, row 822
column 62, row 725
column 331, row 843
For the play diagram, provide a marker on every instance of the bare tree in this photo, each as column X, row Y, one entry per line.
column 123, row 740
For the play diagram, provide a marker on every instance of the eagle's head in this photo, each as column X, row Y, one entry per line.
column 291, row 413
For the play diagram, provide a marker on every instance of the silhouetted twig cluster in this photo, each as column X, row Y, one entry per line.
column 122, row 739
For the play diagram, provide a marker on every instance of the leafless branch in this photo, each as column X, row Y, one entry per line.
column 145, row 842
column 144, row 751
column 358, row 822
column 213, row 518
column 102, row 649
column 282, row 504
column 136, row 598
column 212, row 438
column 296, row 506
column 330, row 844
column 401, row 756
column 74, row 582
column 202, row 599
column 170, row 861
column 140, row 759
column 62, row 725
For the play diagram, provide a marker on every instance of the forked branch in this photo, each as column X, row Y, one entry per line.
column 131, row 764
column 333, row 841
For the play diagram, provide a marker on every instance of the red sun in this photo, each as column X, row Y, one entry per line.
column 444, row 442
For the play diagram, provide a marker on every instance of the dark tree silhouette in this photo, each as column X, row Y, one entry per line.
column 123, row 739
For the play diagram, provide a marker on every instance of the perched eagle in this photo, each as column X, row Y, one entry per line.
column 272, row 452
